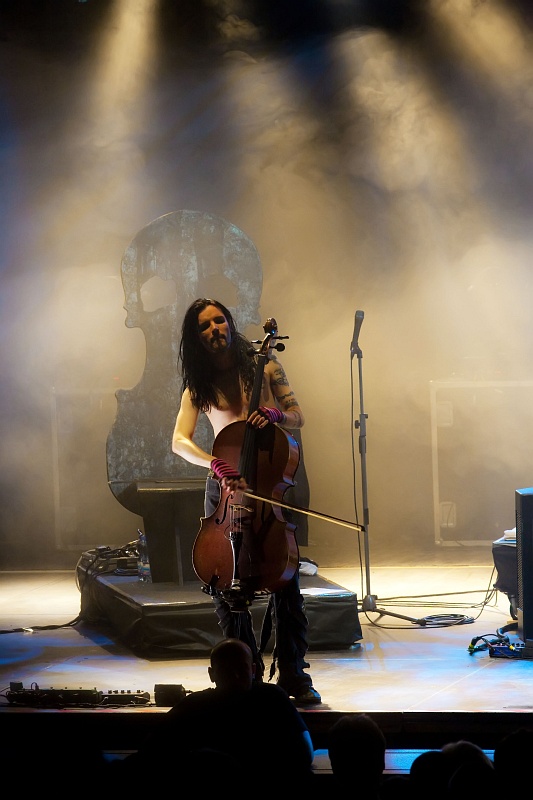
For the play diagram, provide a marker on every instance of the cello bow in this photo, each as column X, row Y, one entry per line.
column 336, row 520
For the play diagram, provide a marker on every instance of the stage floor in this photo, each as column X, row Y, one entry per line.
column 418, row 676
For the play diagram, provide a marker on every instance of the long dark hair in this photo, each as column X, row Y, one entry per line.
column 196, row 369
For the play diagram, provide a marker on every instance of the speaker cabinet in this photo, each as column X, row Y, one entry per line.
column 481, row 451
column 524, row 555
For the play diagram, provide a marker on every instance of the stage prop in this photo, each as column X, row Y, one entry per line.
column 524, row 556
column 479, row 456
column 167, row 619
column 169, row 263
column 171, row 513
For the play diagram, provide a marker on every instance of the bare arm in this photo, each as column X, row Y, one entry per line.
column 182, row 441
column 184, row 446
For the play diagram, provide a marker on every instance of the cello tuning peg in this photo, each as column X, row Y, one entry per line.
column 279, row 347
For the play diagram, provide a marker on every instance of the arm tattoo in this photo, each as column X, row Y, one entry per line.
column 279, row 377
column 287, row 400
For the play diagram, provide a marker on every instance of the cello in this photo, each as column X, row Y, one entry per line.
column 247, row 546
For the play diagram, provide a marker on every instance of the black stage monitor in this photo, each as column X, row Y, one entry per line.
column 524, row 556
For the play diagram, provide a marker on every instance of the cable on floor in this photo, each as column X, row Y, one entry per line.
column 438, row 620
column 32, row 628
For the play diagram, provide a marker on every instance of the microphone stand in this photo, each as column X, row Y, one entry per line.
column 369, row 602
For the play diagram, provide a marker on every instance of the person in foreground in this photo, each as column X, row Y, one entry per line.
column 218, row 369
column 252, row 728
column 356, row 749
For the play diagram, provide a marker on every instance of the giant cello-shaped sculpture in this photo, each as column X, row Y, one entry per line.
column 194, row 254
column 176, row 257
column 247, row 545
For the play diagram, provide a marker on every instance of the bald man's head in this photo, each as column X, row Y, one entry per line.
column 232, row 665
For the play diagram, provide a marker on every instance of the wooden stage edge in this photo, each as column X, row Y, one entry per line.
column 123, row 729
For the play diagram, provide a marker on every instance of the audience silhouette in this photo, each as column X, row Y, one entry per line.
column 248, row 733
column 239, row 722
column 356, row 749
column 511, row 754
column 429, row 773
column 470, row 770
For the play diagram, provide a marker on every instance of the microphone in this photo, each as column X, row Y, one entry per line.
column 359, row 316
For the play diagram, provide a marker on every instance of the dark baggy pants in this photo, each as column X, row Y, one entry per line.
column 285, row 618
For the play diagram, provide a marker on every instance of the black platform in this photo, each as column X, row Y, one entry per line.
column 167, row 619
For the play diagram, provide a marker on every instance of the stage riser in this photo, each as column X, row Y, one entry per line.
column 167, row 619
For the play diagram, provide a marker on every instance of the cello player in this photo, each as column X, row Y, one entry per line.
column 218, row 375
